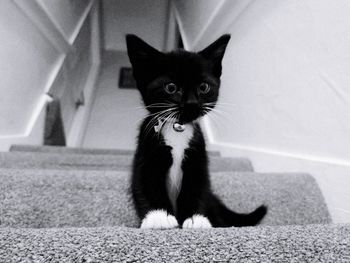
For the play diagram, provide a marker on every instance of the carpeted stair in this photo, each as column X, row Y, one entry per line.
column 120, row 162
column 56, row 149
column 62, row 204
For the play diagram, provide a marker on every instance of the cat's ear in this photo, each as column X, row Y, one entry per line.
column 215, row 52
column 139, row 51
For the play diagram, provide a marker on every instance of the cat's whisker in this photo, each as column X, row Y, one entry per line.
column 166, row 110
column 160, row 105
column 150, row 126
column 152, row 114
column 128, row 109
column 218, row 120
column 142, row 106
column 155, row 119
column 223, row 114
column 213, row 111
column 157, row 115
column 225, row 105
column 217, row 107
column 154, row 105
column 219, row 112
column 211, row 120
column 170, row 116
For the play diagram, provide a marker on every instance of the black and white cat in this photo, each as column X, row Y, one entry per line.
column 170, row 179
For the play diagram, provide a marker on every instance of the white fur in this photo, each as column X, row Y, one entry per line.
column 159, row 219
column 179, row 141
column 196, row 221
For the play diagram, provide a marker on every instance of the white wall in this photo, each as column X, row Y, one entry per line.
column 25, row 64
column 65, row 14
column 46, row 47
column 286, row 76
column 145, row 18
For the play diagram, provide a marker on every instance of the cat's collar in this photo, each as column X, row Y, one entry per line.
column 176, row 126
column 179, row 127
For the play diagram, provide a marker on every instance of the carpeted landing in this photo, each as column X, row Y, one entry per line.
column 73, row 205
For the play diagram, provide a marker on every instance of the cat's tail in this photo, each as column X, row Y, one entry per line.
column 224, row 217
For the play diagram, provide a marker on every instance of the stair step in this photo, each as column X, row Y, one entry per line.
column 312, row 243
column 63, row 149
column 100, row 162
column 71, row 198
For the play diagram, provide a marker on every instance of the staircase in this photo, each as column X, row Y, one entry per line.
column 60, row 204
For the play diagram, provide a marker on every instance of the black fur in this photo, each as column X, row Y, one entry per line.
column 153, row 70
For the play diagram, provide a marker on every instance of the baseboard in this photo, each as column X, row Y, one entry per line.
column 77, row 131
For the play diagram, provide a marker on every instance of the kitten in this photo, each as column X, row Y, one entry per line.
column 170, row 179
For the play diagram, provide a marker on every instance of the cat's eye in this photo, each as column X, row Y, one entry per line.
column 170, row 88
column 204, row 88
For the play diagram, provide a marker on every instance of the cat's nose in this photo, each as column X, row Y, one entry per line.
column 192, row 106
column 192, row 100
column 191, row 110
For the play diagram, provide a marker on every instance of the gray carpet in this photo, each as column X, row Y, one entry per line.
column 311, row 243
column 72, row 205
column 100, row 161
column 60, row 149
column 56, row 198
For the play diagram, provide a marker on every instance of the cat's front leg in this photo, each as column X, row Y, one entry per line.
column 191, row 203
column 153, row 206
column 149, row 190
column 191, row 210
column 193, row 217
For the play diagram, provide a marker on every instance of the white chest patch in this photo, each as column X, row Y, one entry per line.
column 179, row 141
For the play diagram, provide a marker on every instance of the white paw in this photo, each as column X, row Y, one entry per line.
column 196, row 221
column 159, row 219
